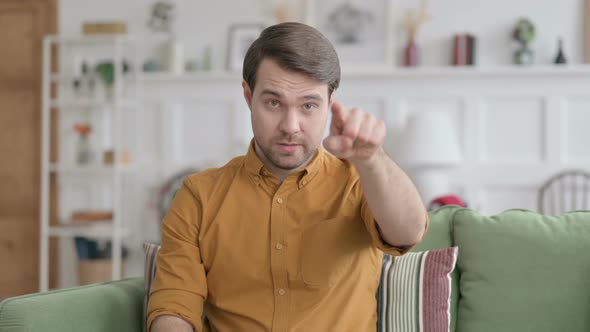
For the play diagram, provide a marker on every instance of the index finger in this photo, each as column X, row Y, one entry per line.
column 339, row 113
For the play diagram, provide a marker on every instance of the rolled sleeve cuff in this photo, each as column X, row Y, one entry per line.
column 387, row 248
column 179, row 303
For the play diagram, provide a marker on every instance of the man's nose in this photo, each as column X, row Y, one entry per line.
column 290, row 122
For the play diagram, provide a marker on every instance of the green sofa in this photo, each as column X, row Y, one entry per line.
column 517, row 271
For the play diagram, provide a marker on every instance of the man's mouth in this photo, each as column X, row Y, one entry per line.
column 288, row 147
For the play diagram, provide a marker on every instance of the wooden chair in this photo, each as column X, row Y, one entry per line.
column 566, row 191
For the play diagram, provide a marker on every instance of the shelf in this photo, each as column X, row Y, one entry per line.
column 90, row 40
column 128, row 78
column 59, row 94
column 96, row 229
column 470, row 72
column 89, row 103
column 92, row 169
column 196, row 76
column 428, row 72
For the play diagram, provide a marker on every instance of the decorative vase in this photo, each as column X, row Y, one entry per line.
column 524, row 56
column 175, row 57
column 411, row 54
column 83, row 153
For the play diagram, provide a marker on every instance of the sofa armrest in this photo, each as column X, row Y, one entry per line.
column 111, row 306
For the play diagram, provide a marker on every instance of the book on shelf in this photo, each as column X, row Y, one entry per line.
column 464, row 49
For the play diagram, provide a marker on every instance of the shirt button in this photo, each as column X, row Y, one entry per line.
column 280, row 200
column 279, row 246
column 282, row 292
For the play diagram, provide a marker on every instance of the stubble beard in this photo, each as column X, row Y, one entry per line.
column 280, row 161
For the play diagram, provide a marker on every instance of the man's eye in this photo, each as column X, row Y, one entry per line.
column 309, row 107
column 273, row 103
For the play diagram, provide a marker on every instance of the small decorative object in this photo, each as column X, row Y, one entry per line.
column 200, row 64
column 413, row 22
column 241, row 36
column 152, row 65
column 175, row 57
column 83, row 150
column 411, row 54
column 279, row 11
column 361, row 31
column 443, row 200
column 106, row 71
column 84, row 83
column 162, row 20
column 108, row 157
column 282, row 13
column 191, row 65
column 348, row 23
column 560, row 57
column 207, row 55
column 104, row 28
column 464, row 49
column 162, row 17
column 524, row 33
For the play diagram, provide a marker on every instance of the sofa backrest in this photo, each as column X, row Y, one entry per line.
column 522, row 271
column 112, row 306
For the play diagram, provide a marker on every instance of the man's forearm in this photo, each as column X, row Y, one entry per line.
column 393, row 199
column 168, row 323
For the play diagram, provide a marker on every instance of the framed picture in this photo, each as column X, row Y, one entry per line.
column 360, row 30
column 240, row 37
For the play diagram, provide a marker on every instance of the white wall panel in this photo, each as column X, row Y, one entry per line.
column 242, row 126
column 577, row 131
column 454, row 107
column 509, row 122
column 205, row 138
column 513, row 130
column 149, row 132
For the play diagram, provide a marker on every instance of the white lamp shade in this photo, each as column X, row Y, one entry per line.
column 429, row 140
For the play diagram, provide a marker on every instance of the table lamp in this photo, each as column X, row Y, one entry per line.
column 428, row 149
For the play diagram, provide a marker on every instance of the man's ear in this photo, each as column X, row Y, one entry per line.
column 247, row 94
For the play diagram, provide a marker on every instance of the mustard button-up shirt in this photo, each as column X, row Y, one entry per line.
column 254, row 254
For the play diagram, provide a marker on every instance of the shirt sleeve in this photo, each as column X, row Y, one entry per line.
column 180, row 286
column 375, row 233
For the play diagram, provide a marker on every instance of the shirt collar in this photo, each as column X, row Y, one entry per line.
column 253, row 164
column 255, row 167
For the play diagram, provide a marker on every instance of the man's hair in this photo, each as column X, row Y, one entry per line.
column 295, row 47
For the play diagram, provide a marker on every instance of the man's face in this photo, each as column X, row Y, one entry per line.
column 289, row 112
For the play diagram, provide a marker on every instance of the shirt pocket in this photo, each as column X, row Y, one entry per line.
column 327, row 251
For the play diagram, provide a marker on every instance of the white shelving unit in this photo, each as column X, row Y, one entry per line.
column 115, row 230
column 398, row 73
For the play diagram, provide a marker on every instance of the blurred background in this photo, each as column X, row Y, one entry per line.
column 106, row 105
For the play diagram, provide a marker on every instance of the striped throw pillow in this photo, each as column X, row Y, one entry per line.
column 415, row 291
column 151, row 251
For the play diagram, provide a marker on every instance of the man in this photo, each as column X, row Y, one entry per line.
column 288, row 237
